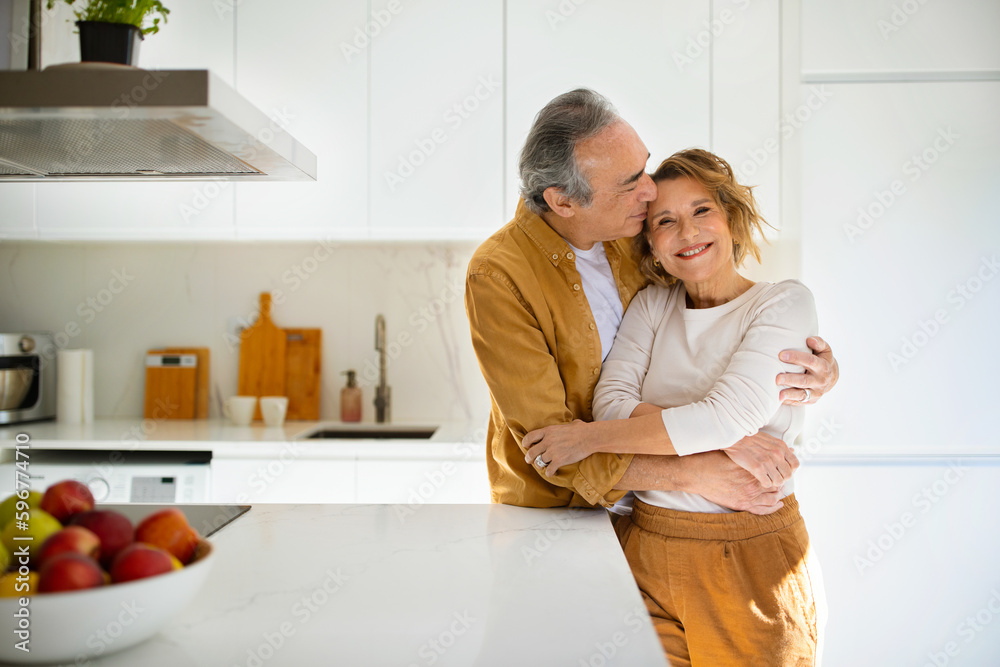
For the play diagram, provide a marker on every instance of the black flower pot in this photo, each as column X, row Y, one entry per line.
column 109, row 42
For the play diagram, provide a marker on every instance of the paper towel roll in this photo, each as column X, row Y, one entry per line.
column 75, row 386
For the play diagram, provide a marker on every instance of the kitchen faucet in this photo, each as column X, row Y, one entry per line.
column 383, row 393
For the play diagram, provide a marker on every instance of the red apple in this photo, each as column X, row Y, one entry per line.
column 169, row 530
column 138, row 561
column 69, row 572
column 113, row 529
column 72, row 539
column 66, row 498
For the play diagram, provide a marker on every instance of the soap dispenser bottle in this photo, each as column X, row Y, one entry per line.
column 350, row 399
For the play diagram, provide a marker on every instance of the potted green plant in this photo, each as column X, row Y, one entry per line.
column 111, row 30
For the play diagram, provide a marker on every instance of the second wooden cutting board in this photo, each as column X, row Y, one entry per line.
column 262, row 356
column 303, row 365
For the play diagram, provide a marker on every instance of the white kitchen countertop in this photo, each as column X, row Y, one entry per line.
column 386, row 585
column 225, row 440
column 463, row 440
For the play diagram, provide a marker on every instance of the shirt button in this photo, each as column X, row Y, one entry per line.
column 555, row 256
column 576, row 286
column 597, row 371
column 592, row 326
column 569, row 255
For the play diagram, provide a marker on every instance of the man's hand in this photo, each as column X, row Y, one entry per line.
column 716, row 477
column 822, row 373
column 767, row 458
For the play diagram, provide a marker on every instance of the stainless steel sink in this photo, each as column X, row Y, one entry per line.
column 371, row 432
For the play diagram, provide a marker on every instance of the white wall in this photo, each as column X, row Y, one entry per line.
column 187, row 293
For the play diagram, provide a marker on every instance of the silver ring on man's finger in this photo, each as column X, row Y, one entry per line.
column 539, row 462
column 808, row 395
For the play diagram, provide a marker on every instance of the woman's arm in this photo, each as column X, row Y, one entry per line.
column 645, row 409
column 619, row 389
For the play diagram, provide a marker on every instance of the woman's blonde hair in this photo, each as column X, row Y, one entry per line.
column 736, row 202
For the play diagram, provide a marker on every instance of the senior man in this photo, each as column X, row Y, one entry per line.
column 544, row 297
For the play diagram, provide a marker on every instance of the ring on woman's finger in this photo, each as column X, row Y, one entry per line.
column 539, row 462
column 808, row 396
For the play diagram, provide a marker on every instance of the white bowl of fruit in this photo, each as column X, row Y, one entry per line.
column 81, row 582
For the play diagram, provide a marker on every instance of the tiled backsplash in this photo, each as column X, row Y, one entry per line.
column 121, row 299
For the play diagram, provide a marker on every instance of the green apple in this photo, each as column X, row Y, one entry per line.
column 39, row 525
column 9, row 506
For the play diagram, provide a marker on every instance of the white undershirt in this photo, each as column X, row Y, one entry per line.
column 601, row 290
column 602, row 293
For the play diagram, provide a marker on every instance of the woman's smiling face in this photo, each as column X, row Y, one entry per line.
column 688, row 232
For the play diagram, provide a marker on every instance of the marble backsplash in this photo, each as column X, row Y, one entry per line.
column 122, row 299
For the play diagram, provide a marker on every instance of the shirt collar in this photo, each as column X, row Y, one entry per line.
column 549, row 243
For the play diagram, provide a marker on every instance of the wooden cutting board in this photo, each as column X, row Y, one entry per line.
column 171, row 383
column 201, row 376
column 303, row 367
column 262, row 356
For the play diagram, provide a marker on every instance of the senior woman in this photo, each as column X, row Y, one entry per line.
column 700, row 345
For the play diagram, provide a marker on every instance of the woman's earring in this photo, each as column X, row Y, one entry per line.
column 656, row 262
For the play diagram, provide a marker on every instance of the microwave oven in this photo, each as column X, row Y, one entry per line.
column 27, row 377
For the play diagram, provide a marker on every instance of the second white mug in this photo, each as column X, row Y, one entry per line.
column 273, row 409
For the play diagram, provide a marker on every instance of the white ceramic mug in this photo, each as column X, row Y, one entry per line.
column 273, row 409
column 240, row 409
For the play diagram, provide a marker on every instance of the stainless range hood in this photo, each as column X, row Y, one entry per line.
column 107, row 122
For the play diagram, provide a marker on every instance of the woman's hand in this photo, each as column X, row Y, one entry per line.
column 822, row 373
column 558, row 445
column 765, row 457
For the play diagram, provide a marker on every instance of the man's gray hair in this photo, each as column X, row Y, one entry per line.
column 548, row 158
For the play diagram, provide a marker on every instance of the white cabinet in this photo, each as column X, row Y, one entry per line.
column 900, row 234
column 421, row 482
column 282, row 479
column 899, row 35
column 437, row 100
column 746, row 99
column 908, row 554
column 198, row 36
column 306, row 67
column 650, row 58
column 134, row 211
column 381, row 480
column 417, row 111
column 17, row 210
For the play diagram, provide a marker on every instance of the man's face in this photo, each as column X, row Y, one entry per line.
column 614, row 162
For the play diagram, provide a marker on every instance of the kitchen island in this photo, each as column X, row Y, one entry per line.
column 365, row 585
